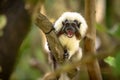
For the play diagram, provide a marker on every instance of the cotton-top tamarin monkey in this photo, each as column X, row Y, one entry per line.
column 71, row 28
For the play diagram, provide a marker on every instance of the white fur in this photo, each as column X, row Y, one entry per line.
column 72, row 44
column 71, row 16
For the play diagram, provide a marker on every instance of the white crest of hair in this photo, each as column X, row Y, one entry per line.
column 72, row 16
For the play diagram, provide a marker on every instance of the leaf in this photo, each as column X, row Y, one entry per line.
column 110, row 60
column 3, row 21
column 118, row 62
column 115, row 31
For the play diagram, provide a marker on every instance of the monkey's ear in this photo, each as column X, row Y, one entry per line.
column 78, row 25
column 63, row 23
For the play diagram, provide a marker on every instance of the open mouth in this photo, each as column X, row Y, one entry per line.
column 69, row 33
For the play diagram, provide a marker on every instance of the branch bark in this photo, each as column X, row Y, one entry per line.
column 89, row 47
column 46, row 26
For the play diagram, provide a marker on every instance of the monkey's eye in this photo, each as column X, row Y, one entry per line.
column 67, row 24
column 77, row 23
column 66, row 20
column 73, row 24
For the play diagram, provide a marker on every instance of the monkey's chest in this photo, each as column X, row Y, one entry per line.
column 69, row 43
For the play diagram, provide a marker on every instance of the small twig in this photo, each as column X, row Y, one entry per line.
column 42, row 67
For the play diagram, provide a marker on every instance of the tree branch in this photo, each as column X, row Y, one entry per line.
column 14, row 32
column 85, row 60
column 89, row 47
column 46, row 26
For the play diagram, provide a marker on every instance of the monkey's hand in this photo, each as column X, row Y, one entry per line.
column 66, row 54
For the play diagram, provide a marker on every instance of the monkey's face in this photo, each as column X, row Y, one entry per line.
column 71, row 24
column 70, row 28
